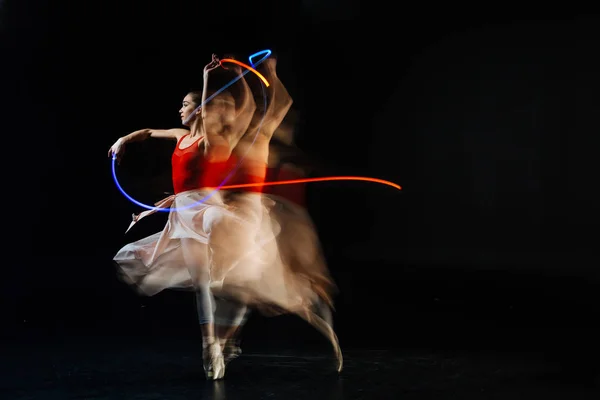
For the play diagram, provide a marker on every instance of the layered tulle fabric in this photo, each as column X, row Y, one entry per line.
column 259, row 249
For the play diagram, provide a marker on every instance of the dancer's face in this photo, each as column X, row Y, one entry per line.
column 187, row 107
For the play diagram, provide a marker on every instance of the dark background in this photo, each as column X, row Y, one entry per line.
column 487, row 118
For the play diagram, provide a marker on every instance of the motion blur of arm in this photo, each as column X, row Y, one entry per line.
column 280, row 100
column 245, row 105
column 225, row 118
column 118, row 148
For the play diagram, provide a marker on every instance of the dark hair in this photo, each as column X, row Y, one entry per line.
column 196, row 96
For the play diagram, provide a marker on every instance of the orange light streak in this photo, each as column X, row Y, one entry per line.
column 231, row 60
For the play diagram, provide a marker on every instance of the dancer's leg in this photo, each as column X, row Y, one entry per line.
column 194, row 254
column 230, row 317
column 323, row 310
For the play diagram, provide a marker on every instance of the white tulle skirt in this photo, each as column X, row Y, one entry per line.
column 259, row 249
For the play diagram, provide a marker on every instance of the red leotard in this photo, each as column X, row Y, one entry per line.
column 191, row 171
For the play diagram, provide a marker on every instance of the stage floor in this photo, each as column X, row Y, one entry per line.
column 158, row 367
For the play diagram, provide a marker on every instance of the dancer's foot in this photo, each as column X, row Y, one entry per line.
column 231, row 350
column 212, row 357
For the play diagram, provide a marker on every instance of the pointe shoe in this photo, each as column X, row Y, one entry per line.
column 213, row 363
column 231, row 351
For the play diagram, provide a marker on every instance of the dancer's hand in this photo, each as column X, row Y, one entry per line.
column 214, row 63
column 117, row 150
column 229, row 66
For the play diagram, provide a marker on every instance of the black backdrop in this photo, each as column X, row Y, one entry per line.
column 487, row 120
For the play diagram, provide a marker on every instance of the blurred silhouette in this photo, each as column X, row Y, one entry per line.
column 237, row 249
